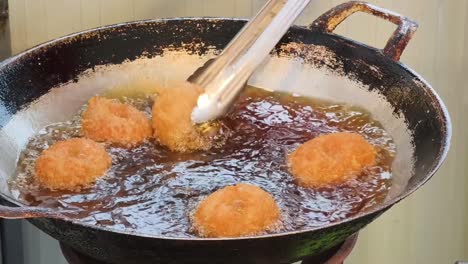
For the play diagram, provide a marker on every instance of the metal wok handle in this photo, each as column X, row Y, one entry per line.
column 397, row 43
column 26, row 212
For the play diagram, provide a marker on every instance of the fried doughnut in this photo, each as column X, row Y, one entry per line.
column 107, row 120
column 71, row 163
column 172, row 121
column 235, row 211
column 331, row 159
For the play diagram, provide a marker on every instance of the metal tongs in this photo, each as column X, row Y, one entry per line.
column 224, row 77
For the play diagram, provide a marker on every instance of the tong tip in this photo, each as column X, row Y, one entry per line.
column 206, row 110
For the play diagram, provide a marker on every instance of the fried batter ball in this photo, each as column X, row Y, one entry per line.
column 331, row 159
column 172, row 121
column 234, row 211
column 106, row 120
column 71, row 163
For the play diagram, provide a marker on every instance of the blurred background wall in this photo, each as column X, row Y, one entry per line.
column 432, row 225
column 4, row 30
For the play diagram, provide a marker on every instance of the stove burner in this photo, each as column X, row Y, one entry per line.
column 335, row 255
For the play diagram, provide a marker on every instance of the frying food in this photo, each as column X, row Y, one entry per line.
column 151, row 189
column 71, row 163
column 235, row 211
column 172, row 122
column 107, row 120
column 331, row 159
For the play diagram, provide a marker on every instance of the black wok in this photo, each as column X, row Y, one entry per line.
column 334, row 67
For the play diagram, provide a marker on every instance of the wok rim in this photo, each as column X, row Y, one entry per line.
column 447, row 131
